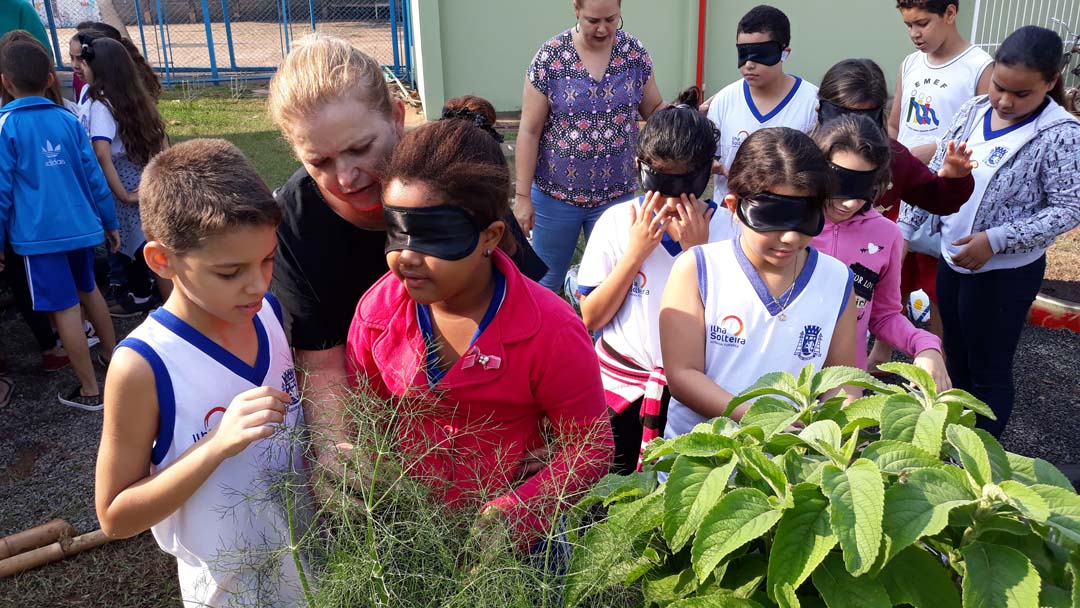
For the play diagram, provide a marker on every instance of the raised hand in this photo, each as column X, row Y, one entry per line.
column 251, row 416
column 646, row 227
column 691, row 227
column 958, row 161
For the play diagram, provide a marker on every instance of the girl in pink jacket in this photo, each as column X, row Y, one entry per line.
column 483, row 365
column 869, row 243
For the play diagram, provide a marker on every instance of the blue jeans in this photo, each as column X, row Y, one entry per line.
column 555, row 234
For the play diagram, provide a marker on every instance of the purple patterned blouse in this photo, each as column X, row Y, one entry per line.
column 586, row 154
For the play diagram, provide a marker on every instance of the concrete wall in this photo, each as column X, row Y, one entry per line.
column 484, row 46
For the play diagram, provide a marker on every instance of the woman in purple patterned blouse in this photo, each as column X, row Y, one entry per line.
column 583, row 93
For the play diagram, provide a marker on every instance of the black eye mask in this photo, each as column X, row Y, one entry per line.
column 668, row 184
column 855, row 184
column 767, row 212
column 444, row 231
column 830, row 110
column 765, row 53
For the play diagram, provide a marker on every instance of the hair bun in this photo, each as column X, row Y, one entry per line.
column 474, row 117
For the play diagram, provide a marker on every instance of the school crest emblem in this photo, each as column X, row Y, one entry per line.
column 809, row 345
column 995, row 156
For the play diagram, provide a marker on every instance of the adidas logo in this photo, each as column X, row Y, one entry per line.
column 52, row 153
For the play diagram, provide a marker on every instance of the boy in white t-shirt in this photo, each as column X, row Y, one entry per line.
column 201, row 407
column 934, row 81
column 627, row 261
column 765, row 96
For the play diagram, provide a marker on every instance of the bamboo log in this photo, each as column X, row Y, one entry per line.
column 35, row 537
column 50, row 553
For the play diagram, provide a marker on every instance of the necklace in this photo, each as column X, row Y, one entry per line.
column 790, row 292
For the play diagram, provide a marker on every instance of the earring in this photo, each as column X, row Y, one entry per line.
column 487, row 253
column 577, row 27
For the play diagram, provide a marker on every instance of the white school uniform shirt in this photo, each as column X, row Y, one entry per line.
column 744, row 336
column 735, row 115
column 993, row 150
column 228, row 538
column 932, row 94
column 98, row 122
column 634, row 331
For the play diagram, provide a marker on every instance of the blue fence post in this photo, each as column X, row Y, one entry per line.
column 52, row 30
column 142, row 35
column 210, row 42
column 394, row 37
column 311, row 13
column 285, row 24
column 164, row 43
column 406, row 7
column 228, row 33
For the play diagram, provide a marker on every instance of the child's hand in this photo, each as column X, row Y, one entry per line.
column 646, row 227
column 112, row 238
column 958, row 161
column 248, row 418
column 691, row 227
column 132, row 197
column 718, row 168
column 932, row 361
column 976, row 252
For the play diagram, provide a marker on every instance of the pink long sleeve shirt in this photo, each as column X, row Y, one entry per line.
column 532, row 368
column 871, row 245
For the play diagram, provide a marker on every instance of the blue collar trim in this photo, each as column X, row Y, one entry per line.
column 779, row 107
column 792, row 293
column 989, row 134
column 254, row 374
column 671, row 245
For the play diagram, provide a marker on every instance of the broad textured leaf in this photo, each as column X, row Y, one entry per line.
column 725, row 426
column 803, row 538
column 999, row 577
column 741, row 516
column 806, row 374
column 799, row 468
column 1003, row 523
column 1026, row 500
column 717, row 600
column 919, row 579
column 856, row 506
column 1064, row 509
column 972, row 453
column 613, row 488
column 834, row 377
column 744, row 576
column 657, row 448
column 1074, row 567
column 1054, row 597
column 862, row 412
column 640, row 516
column 825, row 432
column 920, row 506
column 895, row 456
column 967, row 400
column 755, row 463
column 841, row 590
column 1000, row 468
column 771, row 414
column 905, row 419
column 693, row 487
column 785, row 597
column 665, row 587
column 830, row 408
column 704, row 445
column 781, row 384
column 847, row 451
column 1046, row 473
column 913, row 374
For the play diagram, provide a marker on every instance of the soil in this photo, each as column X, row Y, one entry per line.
column 1062, row 279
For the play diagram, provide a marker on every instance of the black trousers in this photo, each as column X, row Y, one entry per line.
column 38, row 322
column 983, row 314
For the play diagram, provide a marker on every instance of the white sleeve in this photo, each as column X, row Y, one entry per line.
column 102, row 123
column 603, row 250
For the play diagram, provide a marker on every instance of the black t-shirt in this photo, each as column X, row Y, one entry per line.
column 322, row 267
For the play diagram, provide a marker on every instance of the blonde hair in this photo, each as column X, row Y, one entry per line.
column 321, row 69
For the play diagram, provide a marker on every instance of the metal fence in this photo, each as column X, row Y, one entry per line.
column 226, row 40
column 996, row 19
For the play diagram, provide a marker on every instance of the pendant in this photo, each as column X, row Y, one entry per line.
column 782, row 316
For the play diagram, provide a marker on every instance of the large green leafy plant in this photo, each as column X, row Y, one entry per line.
column 894, row 499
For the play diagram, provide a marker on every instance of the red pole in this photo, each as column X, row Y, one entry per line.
column 702, row 4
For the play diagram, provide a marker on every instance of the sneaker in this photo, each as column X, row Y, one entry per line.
column 113, row 293
column 131, row 306
column 52, row 362
column 76, row 399
column 92, row 338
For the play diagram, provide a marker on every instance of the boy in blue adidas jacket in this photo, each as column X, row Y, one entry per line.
column 55, row 207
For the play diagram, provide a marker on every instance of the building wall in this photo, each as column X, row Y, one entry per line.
column 483, row 47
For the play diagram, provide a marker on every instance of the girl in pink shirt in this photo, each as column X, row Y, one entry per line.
column 869, row 243
column 491, row 366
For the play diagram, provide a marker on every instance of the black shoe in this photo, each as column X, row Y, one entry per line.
column 131, row 306
column 113, row 294
column 76, row 399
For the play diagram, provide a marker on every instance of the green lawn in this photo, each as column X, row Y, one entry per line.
column 213, row 112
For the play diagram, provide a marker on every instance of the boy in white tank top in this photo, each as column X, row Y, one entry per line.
column 765, row 96
column 199, row 442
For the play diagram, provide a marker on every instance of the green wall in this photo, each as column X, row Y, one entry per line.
column 483, row 47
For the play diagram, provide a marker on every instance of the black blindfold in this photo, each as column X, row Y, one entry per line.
column 829, row 110
column 765, row 53
column 767, row 212
column 674, row 185
column 853, row 184
column 443, row 231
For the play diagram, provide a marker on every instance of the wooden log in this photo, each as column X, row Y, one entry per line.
column 35, row 537
column 51, row 553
